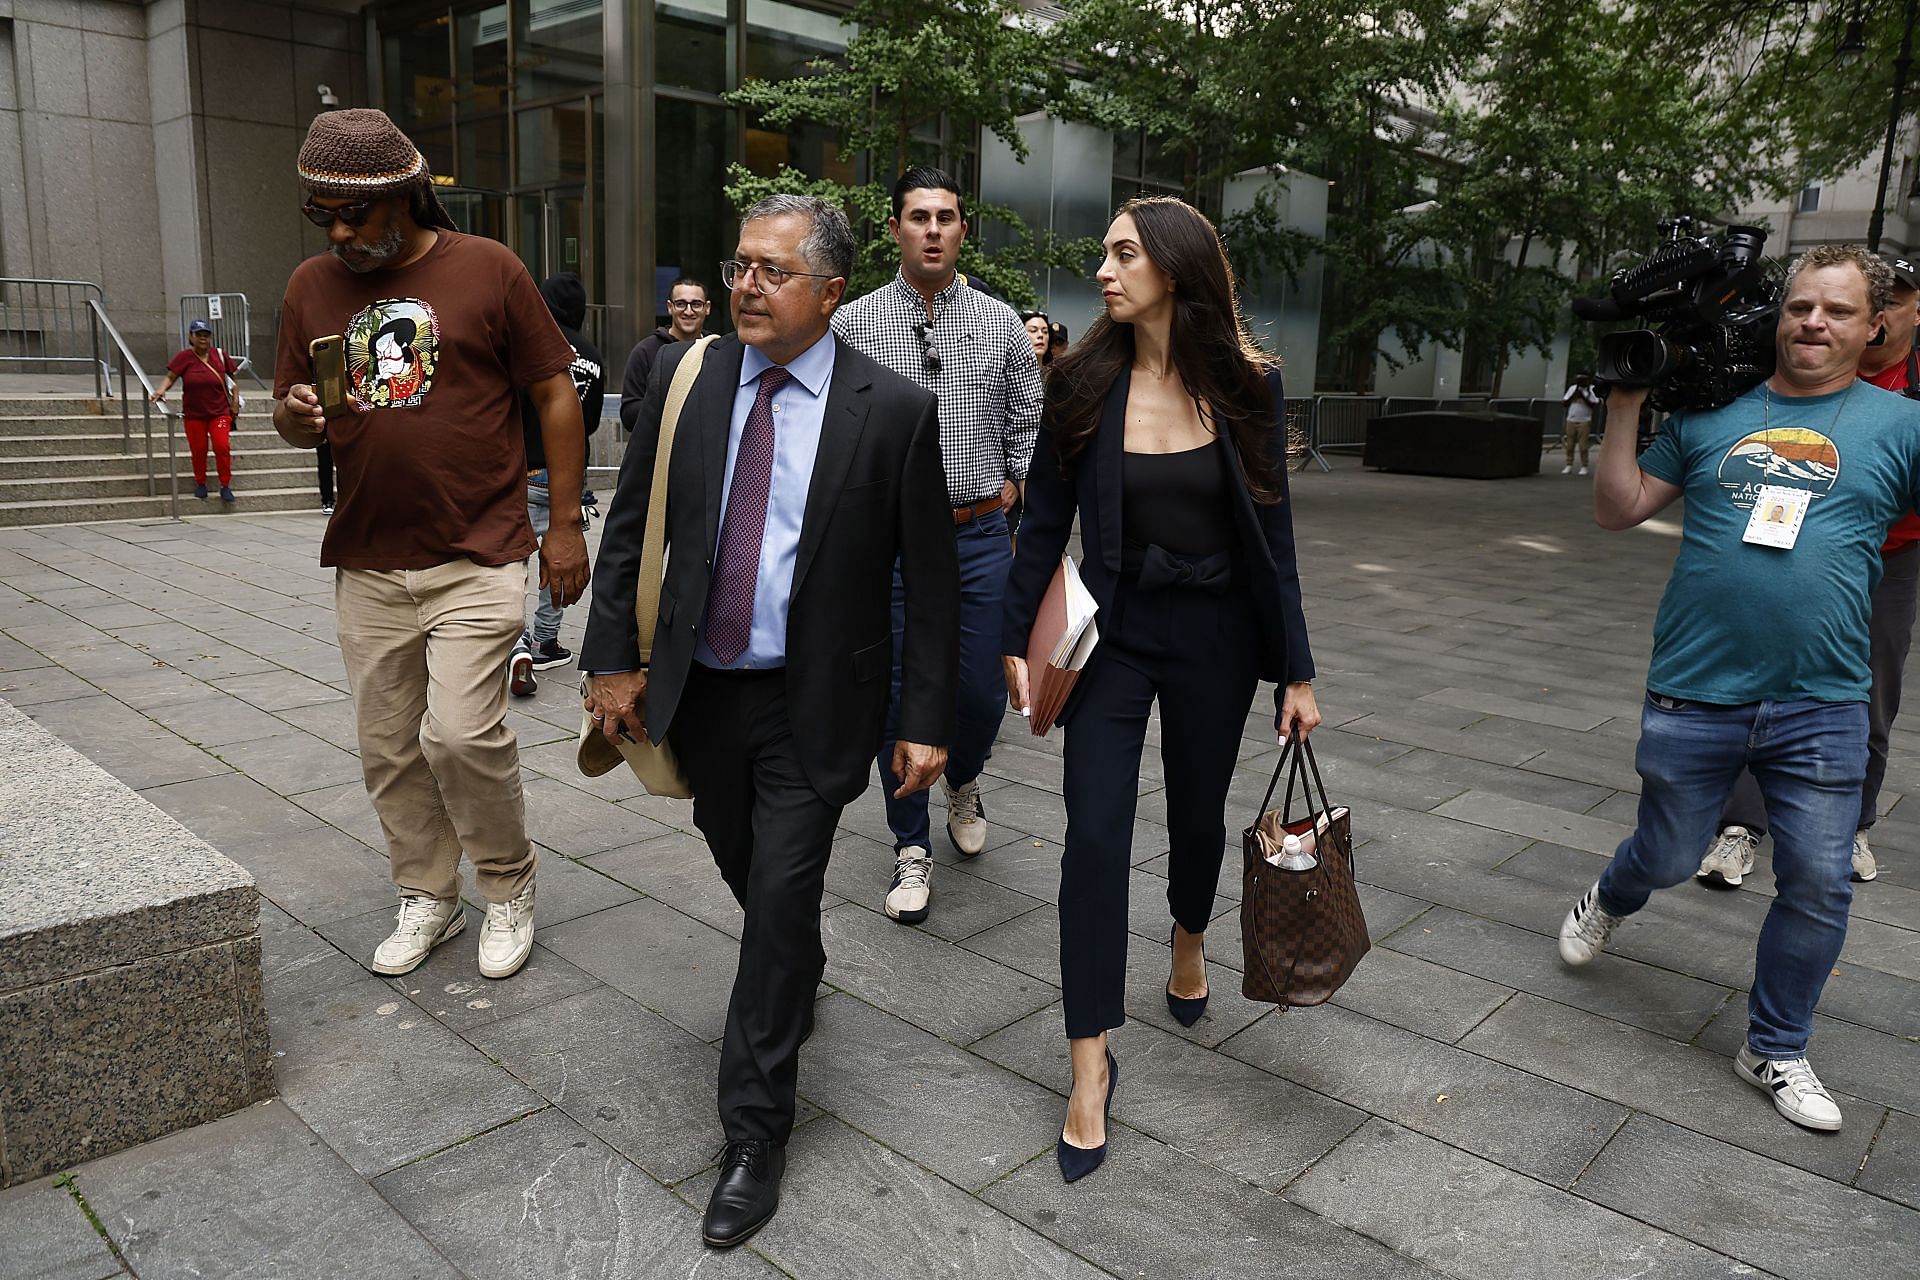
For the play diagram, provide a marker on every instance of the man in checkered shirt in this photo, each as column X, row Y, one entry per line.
column 970, row 350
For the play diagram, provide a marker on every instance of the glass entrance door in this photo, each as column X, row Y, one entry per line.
column 553, row 232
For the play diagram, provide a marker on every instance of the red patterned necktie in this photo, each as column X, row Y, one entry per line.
column 737, row 567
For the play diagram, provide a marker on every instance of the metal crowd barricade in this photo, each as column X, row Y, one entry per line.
column 1338, row 423
column 231, row 319
column 48, row 322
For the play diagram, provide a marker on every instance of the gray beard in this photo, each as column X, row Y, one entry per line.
column 371, row 257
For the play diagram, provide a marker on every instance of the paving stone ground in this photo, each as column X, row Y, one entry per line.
column 1466, row 1106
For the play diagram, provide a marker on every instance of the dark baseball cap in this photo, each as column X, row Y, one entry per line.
column 1904, row 270
column 200, row 326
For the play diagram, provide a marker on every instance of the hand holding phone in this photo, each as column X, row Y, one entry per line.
column 329, row 355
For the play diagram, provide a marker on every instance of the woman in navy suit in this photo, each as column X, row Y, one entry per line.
column 1164, row 429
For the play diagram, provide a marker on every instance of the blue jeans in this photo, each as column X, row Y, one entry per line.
column 546, row 618
column 986, row 553
column 1809, row 759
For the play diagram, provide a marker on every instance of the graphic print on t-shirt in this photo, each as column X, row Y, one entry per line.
column 1791, row 457
column 393, row 348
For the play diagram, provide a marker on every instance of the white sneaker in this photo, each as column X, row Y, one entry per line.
column 1864, row 867
column 1729, row 858
column 912, row 885
column 1584, row 933
column 520, row 678
column 507, row 936
column 1797, row 1092
column 423, row 923
column 1583, row 471
column 966, row 818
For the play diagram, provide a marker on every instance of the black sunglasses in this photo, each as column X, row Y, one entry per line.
column 927, row 353
column 354, row 215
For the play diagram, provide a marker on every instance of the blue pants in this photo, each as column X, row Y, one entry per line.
column 546, row 617
column 986, row 552
column 1809, row 759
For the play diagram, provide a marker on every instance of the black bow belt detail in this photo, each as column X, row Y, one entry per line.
column 1161, row 569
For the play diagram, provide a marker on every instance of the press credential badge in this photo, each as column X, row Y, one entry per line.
column 1778, row 513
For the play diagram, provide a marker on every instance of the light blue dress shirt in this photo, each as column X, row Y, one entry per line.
column 799, row 409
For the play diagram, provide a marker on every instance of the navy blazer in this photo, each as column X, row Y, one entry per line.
column 1264, row 532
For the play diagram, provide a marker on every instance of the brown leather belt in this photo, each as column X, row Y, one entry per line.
column 974, row 510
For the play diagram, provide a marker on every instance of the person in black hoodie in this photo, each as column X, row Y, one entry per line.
column 539, row 646
column 688, row 308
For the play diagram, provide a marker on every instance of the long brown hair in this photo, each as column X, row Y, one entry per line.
column 1212, row 351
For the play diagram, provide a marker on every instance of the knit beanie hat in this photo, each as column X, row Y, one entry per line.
column 357, row 153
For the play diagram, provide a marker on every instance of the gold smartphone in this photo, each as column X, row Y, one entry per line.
column 329, row 355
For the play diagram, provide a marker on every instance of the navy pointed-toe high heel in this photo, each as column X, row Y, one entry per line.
column 1077, row 1162
column 1185, row 1012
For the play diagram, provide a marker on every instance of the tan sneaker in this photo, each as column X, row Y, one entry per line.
column 966, row 818
column 506, row 938
column 1864, row 867
column 1729, row 859
column 912, row 893
column 423, row 923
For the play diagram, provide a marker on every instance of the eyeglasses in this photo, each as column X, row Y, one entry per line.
column 353, row 215
column 688, row 304
column 929, row 357
column 735, row 273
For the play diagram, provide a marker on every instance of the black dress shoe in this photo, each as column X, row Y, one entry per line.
column 1185, row 1012
column 1077, row 1162
column 747, row 1194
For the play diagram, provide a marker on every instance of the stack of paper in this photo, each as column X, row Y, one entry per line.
column 1063, row 639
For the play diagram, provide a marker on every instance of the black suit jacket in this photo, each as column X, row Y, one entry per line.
column 878, row 493
column 1264, row 534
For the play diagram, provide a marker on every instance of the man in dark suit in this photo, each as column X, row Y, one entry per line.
column 799, row 471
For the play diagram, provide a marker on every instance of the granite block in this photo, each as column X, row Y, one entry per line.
column 579, row 1210
column 676, row 966
column 955, row 994
column 1437, row 1002
column 1668, row 1003
column 1224, row 1113
column 172, row 1207
column 1528, row 1124
column 954, row 1112
column 1471, row 1218
column 49, row 1237
column 103, row 878
column 850, row 1207
column 103, row 1061
column 382, row 1082
column 1691, row 1087
column 1764, row 1213
column 1893, row 1166
column 1153, row 1211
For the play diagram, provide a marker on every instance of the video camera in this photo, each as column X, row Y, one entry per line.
column 1712, row 311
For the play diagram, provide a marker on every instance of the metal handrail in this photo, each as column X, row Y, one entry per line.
column 45, row 314
column 99, row 320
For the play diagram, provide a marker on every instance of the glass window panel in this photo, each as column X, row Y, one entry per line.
column 419, row 82
column 783, row 38
column 480, row 213
column 1126, row 152
column 480, row 60
column 553, row 144
column 560, row 46
column 436, row 144
column 812, row 149
column 696, row 223
column 690, row 44
column 483, row 153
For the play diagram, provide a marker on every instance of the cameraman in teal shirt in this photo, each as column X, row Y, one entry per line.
column 1760, row 645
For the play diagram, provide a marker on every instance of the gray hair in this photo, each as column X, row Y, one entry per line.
column 1879, row 275
column 829, row 244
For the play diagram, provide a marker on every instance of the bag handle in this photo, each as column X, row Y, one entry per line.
column 653, row 543
column 1298, row 752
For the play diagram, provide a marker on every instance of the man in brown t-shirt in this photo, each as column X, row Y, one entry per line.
column 430, row 537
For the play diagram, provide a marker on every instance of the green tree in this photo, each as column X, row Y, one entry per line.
column 907, row 66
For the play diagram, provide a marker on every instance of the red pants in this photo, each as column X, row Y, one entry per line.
column 219, row 429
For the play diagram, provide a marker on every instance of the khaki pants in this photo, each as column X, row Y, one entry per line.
column 426, row 653
column 1579, row 433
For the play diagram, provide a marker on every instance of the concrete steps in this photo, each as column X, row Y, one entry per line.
column 64, row 461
